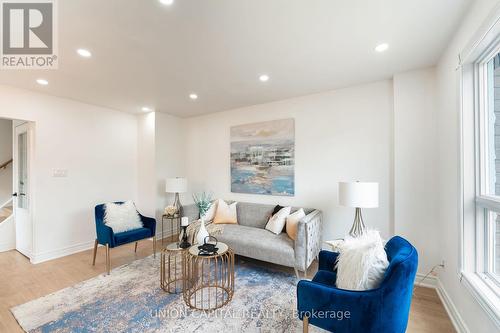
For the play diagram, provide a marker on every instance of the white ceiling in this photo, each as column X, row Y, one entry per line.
column 145, row 53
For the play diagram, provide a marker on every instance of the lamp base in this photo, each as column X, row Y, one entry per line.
column 177, row 205
column 358, row 226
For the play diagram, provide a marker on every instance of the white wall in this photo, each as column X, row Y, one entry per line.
column 343, row 135
column 5, row 155
column 170, row 160
column 448, row 89
column 146, row 168
column 415, row 166
column 98, row 147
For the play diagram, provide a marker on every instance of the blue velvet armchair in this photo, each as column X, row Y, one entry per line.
column 106, row 236
column 384, row 309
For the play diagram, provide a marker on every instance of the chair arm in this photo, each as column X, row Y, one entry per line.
column 308, row 242
column 327, row 260
column 338, row 310
column 105, row 234
column 150, row 223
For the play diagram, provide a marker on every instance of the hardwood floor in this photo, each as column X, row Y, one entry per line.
column 20, row 282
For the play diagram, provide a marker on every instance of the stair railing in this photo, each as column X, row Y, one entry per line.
column 6, row 164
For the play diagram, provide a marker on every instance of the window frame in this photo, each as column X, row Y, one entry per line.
column 475, row 201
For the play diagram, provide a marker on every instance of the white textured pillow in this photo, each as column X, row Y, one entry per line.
column 362, row 262
column 210, row 213
column 122, row 217
column 278, row 220
column 226, row 214
column 292, row 222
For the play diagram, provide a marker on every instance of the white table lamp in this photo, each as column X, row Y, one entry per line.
column 358, row 195
column 176, row 185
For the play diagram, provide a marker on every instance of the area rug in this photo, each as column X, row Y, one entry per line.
column 131, row 300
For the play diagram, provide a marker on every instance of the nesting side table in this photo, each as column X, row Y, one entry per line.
column 171, row 268
column 208, row 280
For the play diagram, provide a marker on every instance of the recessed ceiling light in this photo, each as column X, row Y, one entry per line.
column 42, row 82
column 166, row 2
column 84, row 53
column 146, row 109
column 193, row 96
column 382, row 47
column 264, row 78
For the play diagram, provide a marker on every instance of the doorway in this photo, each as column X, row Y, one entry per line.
column 16, row 147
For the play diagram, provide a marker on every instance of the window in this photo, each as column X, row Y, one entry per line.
column 488, row 182
column 480, row 169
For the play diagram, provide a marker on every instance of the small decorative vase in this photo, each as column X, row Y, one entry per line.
column 202, row 233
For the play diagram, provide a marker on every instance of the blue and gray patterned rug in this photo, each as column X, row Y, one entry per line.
column 131, row 300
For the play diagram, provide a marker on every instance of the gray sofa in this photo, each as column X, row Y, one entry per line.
column 249, row 237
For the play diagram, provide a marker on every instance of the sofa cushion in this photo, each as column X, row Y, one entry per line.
column 132, row 236
column 254, row 215
column 259, row 244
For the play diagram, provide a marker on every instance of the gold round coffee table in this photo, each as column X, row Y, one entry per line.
column 171, row 268
column 211, row 278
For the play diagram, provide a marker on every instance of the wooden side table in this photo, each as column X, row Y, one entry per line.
column 174, row 227
column 171, row 268
column 208, row 280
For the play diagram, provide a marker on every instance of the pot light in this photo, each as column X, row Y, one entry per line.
column 167, row 2
column 264, row 78
column 193, row 96
column 382, row 47
column 42, row 82
column 84, row 53
column 146, row 109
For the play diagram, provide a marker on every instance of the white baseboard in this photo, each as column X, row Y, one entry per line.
column 429, row 282
column 7, row 246
column 61, row 252
column 451, row 309
column 435, row 283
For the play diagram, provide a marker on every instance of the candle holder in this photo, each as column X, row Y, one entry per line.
column 184, row 244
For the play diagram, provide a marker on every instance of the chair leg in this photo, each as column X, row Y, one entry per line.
column 95, row 252
column 154, row 247
column 305, row 323
column 305, row 273
column 296, row 273
column 108, row 261
column 135, row 247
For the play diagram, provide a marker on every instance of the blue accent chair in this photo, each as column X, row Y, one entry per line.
column 384, row 309
column 106, row 236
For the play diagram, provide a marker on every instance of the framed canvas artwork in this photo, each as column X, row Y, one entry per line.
column 263, row 158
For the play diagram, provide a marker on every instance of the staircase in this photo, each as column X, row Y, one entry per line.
column 5, row 212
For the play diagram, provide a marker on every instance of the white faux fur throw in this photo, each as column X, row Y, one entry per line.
column 362, row 262
column 122, row 217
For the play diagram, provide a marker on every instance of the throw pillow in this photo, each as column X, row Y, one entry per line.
column 292, row 222
column 122, row 217
column 210, row 213
column 278, row 220
column 362, row 262
column 226, row 214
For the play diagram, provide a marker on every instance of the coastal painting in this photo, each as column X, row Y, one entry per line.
column 263, row 158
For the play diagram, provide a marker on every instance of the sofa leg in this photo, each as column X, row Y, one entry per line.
column 305, row 273
column 305, row 323
column 154, row 247
column 135, row 250
column 108, row 261
column 95, row 252
column 296, row 273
